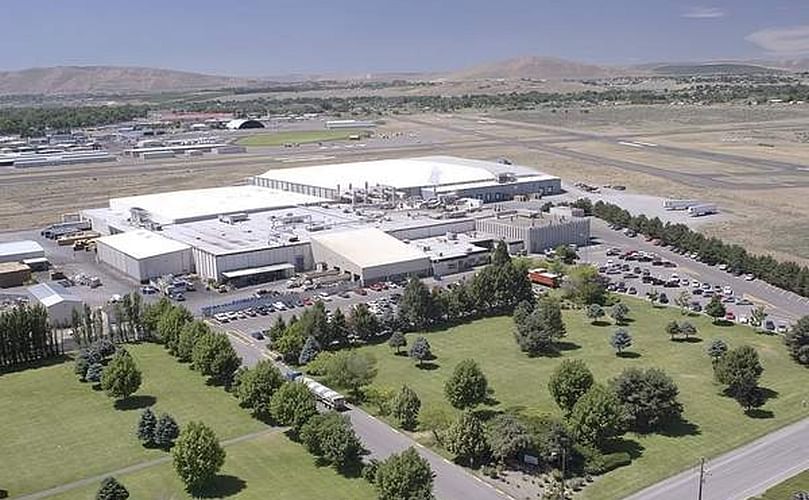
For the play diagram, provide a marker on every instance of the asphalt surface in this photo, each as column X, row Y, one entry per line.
column 452, row 482
column 742, row 473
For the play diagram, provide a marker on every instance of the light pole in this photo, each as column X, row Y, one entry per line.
column 701, row 477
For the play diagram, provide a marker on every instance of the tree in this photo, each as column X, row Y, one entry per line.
column 121, row 378
column 404, row 476
column 649, row 398
column 397, row 340
column 716, row 349
column 437, row 419
column 256, row 387
column 416, row 306
column 466, row 439
column 331, row 436
column 715, row 309
column 683, row 301
column 619, row 312
column 594, row 312
column 362, row 323
column 538, row 332
column 314, row 323
column 197, row 455
column 584, row 285
column 757, row 316
column 569, row 382
column 146, row 427
column 740, row 370
column 566, row 254
column 169, row 325
column 508, row 437
column 797, row 341
column 621, row 340
column 467, row 386
column 277, row 329
column 597, row 416
column 405, row 408
column 653, row 296
column 672, row 329
column 338, row 324
column 94, row 372
column 214, row 357
column 420, row 350
column 310, row 350
column 351, row 370
column 293, row 405
column 80, row 368
column 166, row 431
column 190, row 334
column 111, row 489
column 688, row 329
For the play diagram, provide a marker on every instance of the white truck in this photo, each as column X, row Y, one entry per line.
column 703, row 209
column 679, row 204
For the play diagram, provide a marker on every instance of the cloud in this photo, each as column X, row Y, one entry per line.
column 787, row 40
column 704, row 13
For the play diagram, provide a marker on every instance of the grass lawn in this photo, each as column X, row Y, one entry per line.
column 717, row 422
column 786, row 489
column 270, row 466
column 56, row 430
column 296, row 137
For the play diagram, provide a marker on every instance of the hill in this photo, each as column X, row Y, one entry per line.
column 534, row 67
column 110, row 80
column 713, row 69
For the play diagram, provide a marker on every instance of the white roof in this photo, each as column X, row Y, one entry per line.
column 368, row 247
column 20, row 247
column 142, row 244
column 397, row 173
column 49, row 294
column 198, row 204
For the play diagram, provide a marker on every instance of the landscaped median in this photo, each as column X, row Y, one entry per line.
column 711, row 424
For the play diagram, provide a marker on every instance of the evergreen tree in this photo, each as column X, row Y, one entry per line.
column 94, row 372
column 339, row 327
column 146, row 427
column 111, row 489
column 309, row 352
column 594, row 312
column 166, row 431
column 362, row 323
column 621, row 340
column 797, row 340
column 416, row 306
column 716, row 349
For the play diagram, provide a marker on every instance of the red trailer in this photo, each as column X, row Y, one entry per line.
column 541, row 276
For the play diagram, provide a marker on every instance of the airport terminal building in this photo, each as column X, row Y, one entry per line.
column 363, row 222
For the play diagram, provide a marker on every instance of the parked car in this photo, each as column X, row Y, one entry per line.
column 663, row 298
column 257, row 335
column 769, row 325
column 730, row 316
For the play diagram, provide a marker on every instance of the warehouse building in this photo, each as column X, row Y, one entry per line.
column 369, row 255
column 538, row 232
column 454, row 253
column 143, row 255
column 18, row 251
column 427, row 177
column 58, row 301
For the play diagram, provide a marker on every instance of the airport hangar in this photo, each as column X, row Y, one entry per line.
column 369, row 221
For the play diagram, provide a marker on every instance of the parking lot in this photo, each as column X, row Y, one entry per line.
column 636, row 267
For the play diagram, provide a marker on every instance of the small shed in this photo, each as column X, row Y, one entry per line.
column 58, row 300
column 13, row 274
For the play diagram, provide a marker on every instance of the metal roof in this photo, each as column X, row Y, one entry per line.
column 51, row 293
column 12, row 248
column 368, row 247
column 142, row 244
column 257, row 270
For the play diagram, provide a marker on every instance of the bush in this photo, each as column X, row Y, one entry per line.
column 614, row 460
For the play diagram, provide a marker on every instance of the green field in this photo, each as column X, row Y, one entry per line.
column 786, row 489
column 717, row 422
column 296, row 137
column 269, row 466
column 55, row 430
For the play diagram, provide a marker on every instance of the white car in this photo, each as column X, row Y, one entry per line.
column 280, row 306
column 727, row 291
column 723, row 267
column 743, row 320
column 749, row 277
column 695, row 284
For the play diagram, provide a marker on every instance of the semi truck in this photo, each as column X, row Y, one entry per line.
column 703, row 209
column 328, row 397
column 679, row 204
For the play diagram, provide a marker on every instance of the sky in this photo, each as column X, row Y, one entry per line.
column 277, row 37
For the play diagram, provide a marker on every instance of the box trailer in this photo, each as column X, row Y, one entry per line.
column 703, row 209
column 544, row 278
column 679, row 204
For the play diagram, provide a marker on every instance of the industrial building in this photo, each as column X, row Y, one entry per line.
column 18, row 251
column 369, row 255
column 58, row 301
column 407, row 219
column 143, row 255
column 538, row 232
column 427, row 178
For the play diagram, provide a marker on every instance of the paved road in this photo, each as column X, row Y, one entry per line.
column 451, row 481
column 743, row 472
column 134, row 468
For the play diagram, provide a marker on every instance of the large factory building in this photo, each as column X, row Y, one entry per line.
column 365, row 222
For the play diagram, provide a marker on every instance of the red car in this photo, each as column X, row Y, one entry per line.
column 308, row 302
column 730, row 316
column 361, row 291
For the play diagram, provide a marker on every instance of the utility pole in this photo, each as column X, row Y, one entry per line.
column 701, row 476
